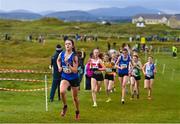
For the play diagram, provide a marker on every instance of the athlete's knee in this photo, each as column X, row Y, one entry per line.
column 75, row 98
column 62, row 92
column 94, row 90
column 110, row 88
column 124, row 85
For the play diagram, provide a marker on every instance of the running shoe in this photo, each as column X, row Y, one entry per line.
column 95, row 104
column 122, row 101
column 77, row 117
column 149, row 98
column 64, row 110
column 137, row 96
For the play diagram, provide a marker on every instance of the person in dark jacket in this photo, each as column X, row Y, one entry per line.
column 81, row 57
column 56, row 74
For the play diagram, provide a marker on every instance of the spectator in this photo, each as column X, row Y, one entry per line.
column 56, row 74
column 88, row 74
column 108, row 45
column 174, row 51
column 81, row 57
column 65, row 37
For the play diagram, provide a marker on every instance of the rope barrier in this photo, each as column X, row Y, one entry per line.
column 16, row 79
column 23, row 90
column 22, row 71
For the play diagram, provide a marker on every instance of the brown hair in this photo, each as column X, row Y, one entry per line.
column 151, row 56
column 100, row 55
column 136, row 56
column 73, row 49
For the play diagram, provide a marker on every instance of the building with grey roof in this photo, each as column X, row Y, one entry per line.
column 151, row 18
column 172, row 21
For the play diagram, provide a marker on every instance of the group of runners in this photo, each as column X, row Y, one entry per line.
column 125, row 64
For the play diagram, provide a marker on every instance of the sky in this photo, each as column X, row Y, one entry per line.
column 168, row 6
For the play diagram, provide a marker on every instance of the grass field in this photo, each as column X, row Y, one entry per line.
column 22, row 107
column 30, row 106
column 50, row 27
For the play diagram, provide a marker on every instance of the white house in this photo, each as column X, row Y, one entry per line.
column 151, row 18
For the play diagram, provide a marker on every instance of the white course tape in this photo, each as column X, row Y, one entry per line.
column 22, row 71
column 16, row 79
column 22, row 90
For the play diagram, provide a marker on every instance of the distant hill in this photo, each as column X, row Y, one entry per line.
column 20, row 15
column 43, row 13
column 113, row 14
column 127, row 11
column 75, row 15
column 20, row 11
column 1, row 11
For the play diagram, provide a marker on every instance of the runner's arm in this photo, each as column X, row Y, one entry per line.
column 117, row 62
column 139, row 65
column 74, row 68
column 143, row 69
column 103, row 67
column 59, row 63
column 155, row 71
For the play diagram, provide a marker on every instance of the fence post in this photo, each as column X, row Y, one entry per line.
column 164, row 66
column 84, row 81
column 46, row 101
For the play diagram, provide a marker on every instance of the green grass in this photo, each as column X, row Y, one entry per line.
column 18, row 30
column 30, row 107
column 21, row 107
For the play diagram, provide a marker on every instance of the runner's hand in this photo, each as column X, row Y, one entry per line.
column 59, row 69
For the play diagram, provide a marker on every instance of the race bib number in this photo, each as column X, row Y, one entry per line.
column 124, row 65
column 108, row 70
column 97, row 72
column 149, row 72
column 135, row 72
column 67, row 70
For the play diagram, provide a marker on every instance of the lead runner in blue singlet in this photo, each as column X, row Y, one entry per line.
column 122, row 65
column 68, row 64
